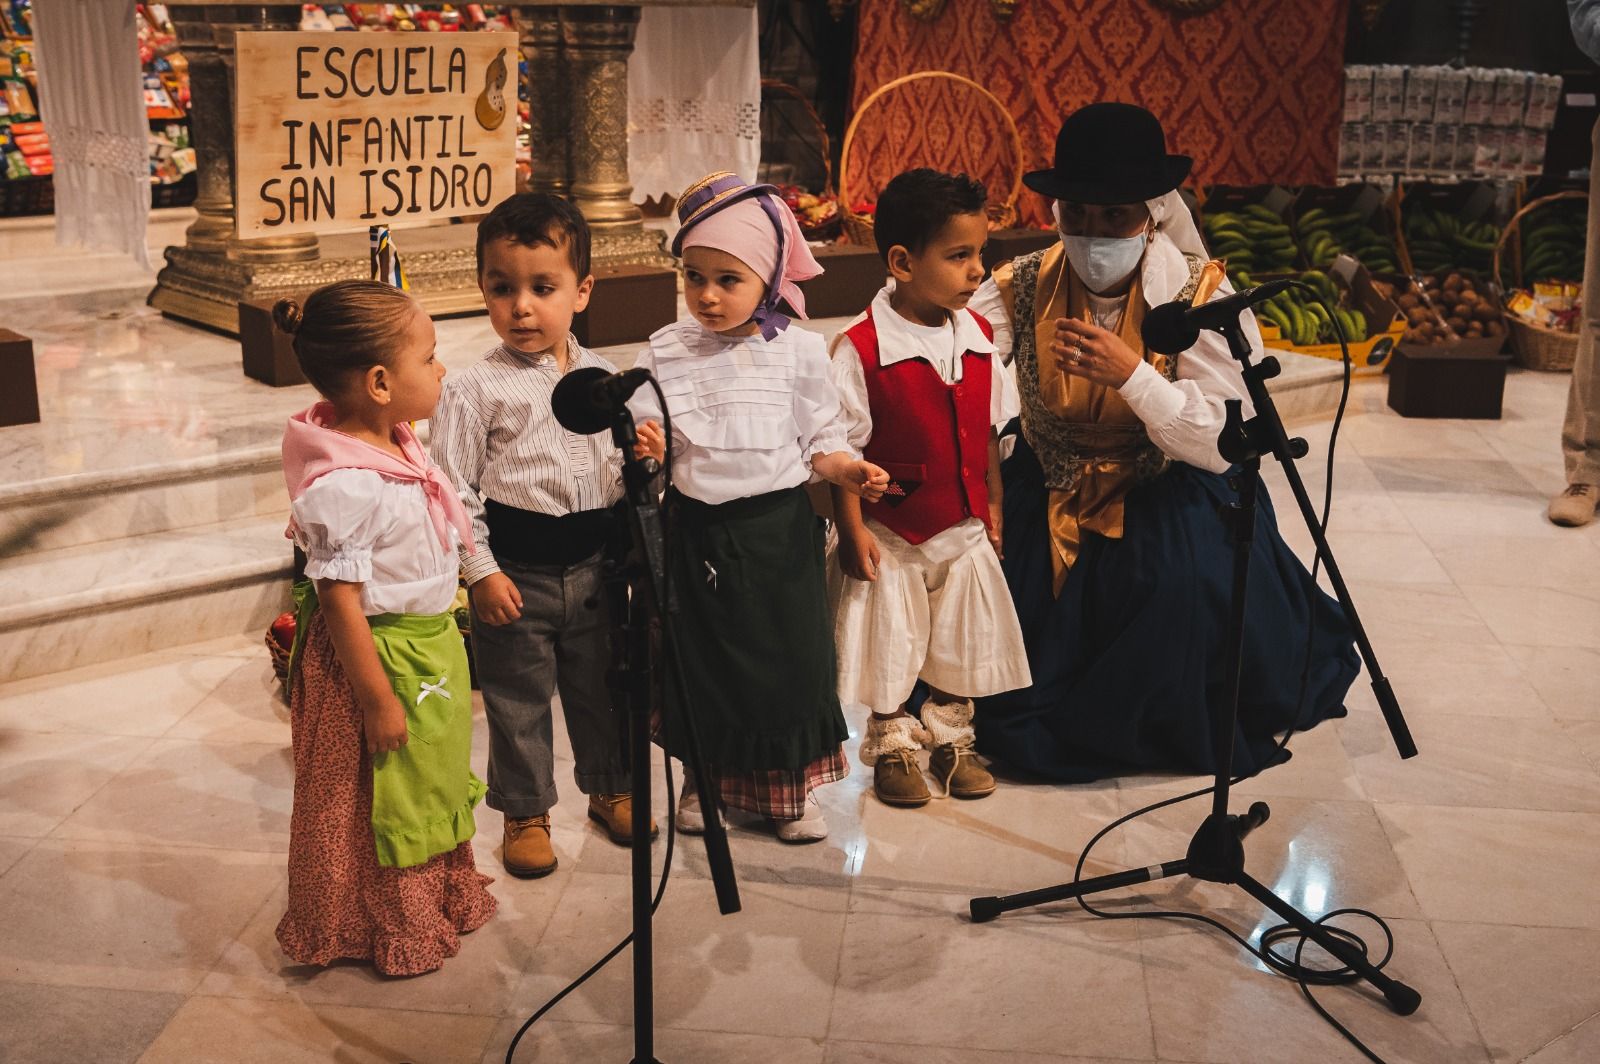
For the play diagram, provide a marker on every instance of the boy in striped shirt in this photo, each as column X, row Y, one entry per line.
column 541, row 500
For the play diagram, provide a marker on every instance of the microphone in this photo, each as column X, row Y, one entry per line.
column 585, row 400
column 1174, row 327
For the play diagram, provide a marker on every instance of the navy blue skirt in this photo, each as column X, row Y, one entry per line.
column 1128, row 662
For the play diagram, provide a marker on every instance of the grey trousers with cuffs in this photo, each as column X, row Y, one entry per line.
column 560, row 644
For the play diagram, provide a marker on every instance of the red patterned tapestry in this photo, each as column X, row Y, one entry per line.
column 1253, row 89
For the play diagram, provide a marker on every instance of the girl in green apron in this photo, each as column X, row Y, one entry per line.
column 380, row 857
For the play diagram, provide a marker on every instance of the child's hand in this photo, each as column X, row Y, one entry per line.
column 864, row 479
column 996, row 531
column 385, row 726
column 495, row 599
column 652, row 442
column 858, row 553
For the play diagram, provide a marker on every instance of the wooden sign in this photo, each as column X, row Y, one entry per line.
column 340, row 131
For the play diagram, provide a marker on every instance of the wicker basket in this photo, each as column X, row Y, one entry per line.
column 828, row 230
column 858, row 228
column 280, row 656
column 1536, row 346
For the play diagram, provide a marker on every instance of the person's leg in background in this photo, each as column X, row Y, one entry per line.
column 1580, row 433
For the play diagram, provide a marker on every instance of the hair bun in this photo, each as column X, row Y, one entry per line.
column 287, row 315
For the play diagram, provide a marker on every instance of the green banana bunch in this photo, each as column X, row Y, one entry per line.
column 1326, row 235
column 1440, row 242
column 1251, row 240
column 1553, row 242
column 1305, row 322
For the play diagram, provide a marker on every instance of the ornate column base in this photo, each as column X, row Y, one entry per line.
column 633, row 246
column 206, row 288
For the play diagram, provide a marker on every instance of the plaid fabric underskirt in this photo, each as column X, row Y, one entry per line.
column 781, row 793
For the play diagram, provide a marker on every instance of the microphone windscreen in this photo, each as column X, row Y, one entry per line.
column 1168, row 330
column 573, row 402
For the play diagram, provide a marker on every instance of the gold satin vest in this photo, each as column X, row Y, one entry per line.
column 1092, row 446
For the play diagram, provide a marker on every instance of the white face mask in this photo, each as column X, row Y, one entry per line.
column 1102, row 262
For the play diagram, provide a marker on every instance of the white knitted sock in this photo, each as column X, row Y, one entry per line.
column 885, row 735
column 948, row 722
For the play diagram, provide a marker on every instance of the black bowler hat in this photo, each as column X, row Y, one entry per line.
column 1110, row 153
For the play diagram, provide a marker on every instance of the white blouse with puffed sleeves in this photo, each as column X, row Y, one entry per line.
column 748, row 414
column 361, row 527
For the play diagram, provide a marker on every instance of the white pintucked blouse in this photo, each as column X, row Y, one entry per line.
column 748, row 414
column 358, row 526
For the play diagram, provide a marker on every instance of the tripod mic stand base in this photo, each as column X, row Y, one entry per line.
column 1216, row 854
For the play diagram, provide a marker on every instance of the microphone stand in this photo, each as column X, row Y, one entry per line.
column 1216, row 851
column 637, row 590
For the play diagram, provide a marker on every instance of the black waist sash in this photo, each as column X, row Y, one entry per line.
column 531, row 538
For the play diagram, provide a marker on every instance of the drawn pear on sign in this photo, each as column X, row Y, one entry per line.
column 491, row 107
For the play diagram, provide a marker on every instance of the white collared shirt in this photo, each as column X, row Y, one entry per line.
column 495, row 437
column 899, row 339
column 748, row 414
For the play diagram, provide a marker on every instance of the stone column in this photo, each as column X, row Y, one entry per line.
column 597, row 41
column 210, row 127
column 549, row 99
column 298, row 247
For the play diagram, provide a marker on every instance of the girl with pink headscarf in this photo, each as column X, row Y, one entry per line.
column 754, row 417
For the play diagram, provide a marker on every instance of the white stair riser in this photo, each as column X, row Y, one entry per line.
column 134, row 510
column 139, row 626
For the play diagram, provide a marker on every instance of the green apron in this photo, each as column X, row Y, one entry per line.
column 423, row 793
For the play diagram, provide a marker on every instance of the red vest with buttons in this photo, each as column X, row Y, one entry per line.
column 932, row 438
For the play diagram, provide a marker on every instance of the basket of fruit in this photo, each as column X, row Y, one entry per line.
column 1437, row 241
column 1326, row 235
column 1449, row 307
column 1252, row 240
column 280, row 641
column 1544, row 310
column 897, row 135
column 817, row 212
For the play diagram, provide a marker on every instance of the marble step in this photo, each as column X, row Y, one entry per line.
column 100, row 506
column 98, row 602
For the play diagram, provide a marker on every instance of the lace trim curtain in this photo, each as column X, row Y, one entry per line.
column 92, row 103
column 694, row 98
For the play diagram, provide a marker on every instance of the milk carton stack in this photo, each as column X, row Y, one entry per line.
column 1445, row 123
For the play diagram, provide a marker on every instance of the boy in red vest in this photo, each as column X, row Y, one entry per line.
column 916, row 583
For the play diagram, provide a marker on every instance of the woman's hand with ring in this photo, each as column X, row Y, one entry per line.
column 1083, row 349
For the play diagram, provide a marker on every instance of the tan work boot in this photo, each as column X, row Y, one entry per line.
column 897, row 779
column 614, row 812
column 527, row 853
column 959, row 769
column 1575, row 506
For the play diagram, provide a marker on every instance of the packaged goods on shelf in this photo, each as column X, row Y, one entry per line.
column 1445, row 123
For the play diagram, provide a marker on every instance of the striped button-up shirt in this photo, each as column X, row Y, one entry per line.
column 495, row 437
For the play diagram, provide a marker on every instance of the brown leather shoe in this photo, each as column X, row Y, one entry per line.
column 959, row 769
column 527, row 853
column 897, row 779
column 1575, row 507
column 614, row 812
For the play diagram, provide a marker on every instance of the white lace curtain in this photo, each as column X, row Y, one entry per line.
column 92, row 103
column 694, row 97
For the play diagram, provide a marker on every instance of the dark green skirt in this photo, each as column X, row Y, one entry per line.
column 752, row 632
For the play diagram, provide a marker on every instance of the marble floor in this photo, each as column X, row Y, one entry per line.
column 144, row 810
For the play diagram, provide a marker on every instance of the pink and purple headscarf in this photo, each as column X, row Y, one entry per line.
column 751, row 223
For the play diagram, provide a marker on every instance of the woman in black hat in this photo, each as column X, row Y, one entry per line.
column 1115, row 553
